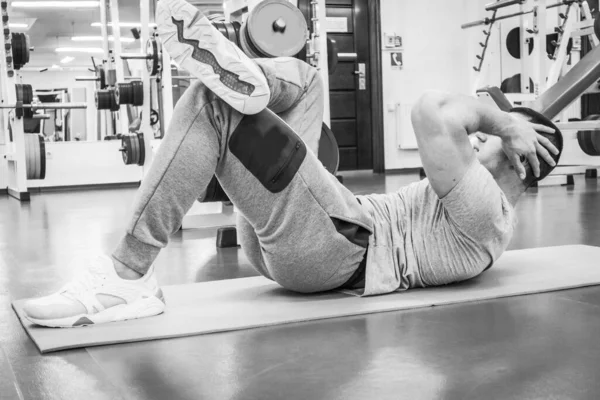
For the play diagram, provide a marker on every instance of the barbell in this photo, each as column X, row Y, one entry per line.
column 152, row 56
column 46, row 106
column 24, row 106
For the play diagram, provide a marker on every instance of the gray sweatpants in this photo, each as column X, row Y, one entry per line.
column 292, row 236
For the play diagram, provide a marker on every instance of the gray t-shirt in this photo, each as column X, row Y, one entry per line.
column 421, row 240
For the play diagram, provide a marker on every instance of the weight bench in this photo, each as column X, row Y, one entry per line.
column 227, row 234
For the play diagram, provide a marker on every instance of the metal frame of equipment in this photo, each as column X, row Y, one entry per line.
column 577, row 21
column 25, row 153
column 156, row 84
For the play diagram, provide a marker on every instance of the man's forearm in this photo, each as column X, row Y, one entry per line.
column 473, row 115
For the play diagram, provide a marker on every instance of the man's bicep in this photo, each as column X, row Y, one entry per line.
column 444, row 146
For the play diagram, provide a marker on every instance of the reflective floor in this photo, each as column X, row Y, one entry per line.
column 533, row 347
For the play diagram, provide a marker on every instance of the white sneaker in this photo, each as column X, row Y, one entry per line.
column 97, row 296
column 196, row 45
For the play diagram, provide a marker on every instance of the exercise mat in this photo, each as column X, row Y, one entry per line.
column 220, row 306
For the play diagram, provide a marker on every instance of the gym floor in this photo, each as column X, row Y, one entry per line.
column 531, row 347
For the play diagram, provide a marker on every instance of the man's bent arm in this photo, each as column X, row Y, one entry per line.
column 442, row 123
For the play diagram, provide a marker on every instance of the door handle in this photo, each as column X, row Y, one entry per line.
column 362, row 76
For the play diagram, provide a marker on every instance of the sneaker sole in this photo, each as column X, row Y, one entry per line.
column 143, row 308
column 197, row 46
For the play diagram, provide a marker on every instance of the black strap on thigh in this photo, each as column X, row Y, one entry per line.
column 269, row 149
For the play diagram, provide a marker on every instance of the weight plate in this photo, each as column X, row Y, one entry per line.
column 125, row 93
column 142, row 149
column 587, row 143
column 236, row 26
column 136, row 139
column 584, row 140
column 125, row 149
column 142, row 159
column 101, row 75
column 27, row 99
column 137, row 91
column 220, row 26
column 132, row 150
column 24, row 50
column 245, row 43
column 102, row 102
column 27, row 46
column 19, row 92
column 153, row 63
column 28, row 158
column 595, row 135
column 35, row 145
column 16, row 50
column 513, row 43
column 42, row 144
column 230, row 32
column 277, row 28
column 114, row 99
column 513, row 85
column 32, row 156
column 19, row 96
column 129, row 149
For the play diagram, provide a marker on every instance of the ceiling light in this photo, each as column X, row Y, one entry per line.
column 79, row 50
column 55, row 4
column 99, row 39
column 15, row 25
column 123, row 24
column 67, row 60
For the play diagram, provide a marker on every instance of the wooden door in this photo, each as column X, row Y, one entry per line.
column 349, row 85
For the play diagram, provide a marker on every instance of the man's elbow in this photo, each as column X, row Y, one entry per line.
column 430, row 104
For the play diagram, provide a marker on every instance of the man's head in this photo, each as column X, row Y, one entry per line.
column 490, row 154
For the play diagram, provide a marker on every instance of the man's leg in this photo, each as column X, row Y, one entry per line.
column 296, row 97
column 312, row 231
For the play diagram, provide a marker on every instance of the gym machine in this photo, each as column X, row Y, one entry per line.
column 543, row 60
column 530, row 46
column 25, row 153
column 117, row 91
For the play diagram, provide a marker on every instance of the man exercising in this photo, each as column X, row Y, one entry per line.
column 298, row 225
